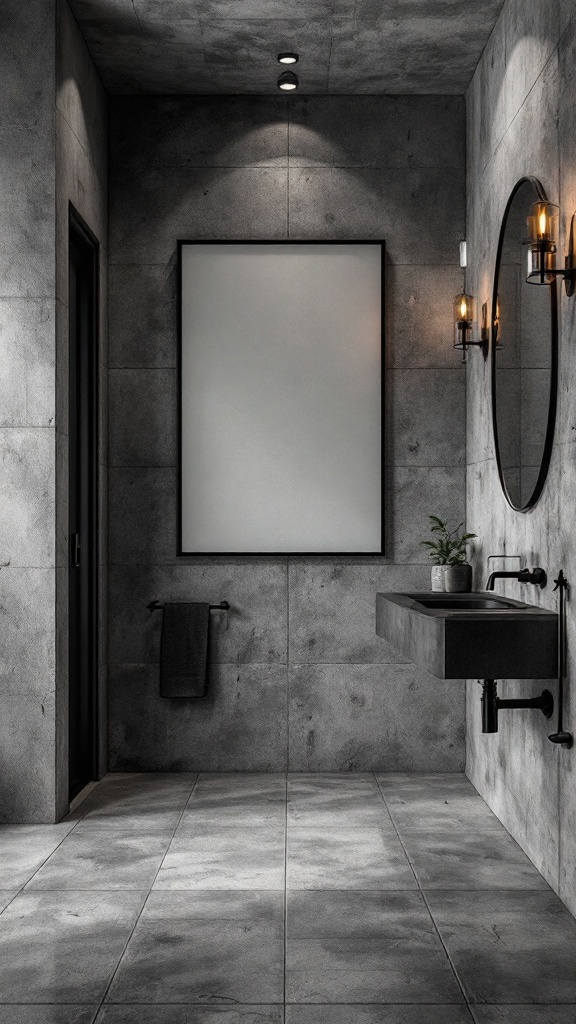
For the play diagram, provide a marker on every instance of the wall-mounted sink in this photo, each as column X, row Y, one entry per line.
column 461, row 636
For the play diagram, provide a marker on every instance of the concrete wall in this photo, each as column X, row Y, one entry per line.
column 522, row 120
column 40, row 168
column 27, row 412
column 299, row 678
column 81, row 179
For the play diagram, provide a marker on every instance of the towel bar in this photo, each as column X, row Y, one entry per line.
column 155, row 606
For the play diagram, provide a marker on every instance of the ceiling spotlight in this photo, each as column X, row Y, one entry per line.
column 288, row 81
column 287, row 58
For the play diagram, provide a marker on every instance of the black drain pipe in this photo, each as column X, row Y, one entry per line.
column 492, row 704
column 561, row 736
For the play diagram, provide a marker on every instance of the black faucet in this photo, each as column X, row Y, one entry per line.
column 536, row 576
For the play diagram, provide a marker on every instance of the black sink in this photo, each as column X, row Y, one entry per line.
column 463, row 636
column 462, row 602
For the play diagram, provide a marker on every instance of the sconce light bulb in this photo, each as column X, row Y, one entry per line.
column 287, row 58
column 542, row 224
column 463, row 309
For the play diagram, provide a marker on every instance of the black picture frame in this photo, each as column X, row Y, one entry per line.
column 180, row 552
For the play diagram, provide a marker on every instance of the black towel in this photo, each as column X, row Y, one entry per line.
column 184, row 650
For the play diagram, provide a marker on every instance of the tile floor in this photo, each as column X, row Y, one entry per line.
column 261, row 899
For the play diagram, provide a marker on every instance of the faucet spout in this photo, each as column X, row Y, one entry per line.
column 536, row 576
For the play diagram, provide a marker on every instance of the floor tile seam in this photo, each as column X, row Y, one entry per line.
column 18, row 892
column 445, row 947
column 423, row 896
column 285, row 901
column 145, row 901
column 45, row 861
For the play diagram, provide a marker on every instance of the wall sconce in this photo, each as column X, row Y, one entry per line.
column 288, row 81
column 544, row 228
column 464, row 316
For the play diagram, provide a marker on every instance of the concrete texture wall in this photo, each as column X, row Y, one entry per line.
column 521, row 120
column 299, row 678
column 27, row 412
column 40, row 169
column 81, row 179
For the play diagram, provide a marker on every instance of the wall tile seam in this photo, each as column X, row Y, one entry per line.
column 490, row 158
column 298, row 664
column 29, row 426
column 16, row 425
column 185, row 562
column 481, row 462
column 390, row 465
column 103, row 180
column 44, row 299
column 215, row 664
column 115, row 181
column 388, row 367
column 171, row 264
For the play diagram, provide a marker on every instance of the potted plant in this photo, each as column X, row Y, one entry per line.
column 450, row 571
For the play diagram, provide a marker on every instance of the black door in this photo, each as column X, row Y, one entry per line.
column 83, row 510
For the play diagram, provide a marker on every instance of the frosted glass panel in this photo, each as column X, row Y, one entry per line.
column 281, row 390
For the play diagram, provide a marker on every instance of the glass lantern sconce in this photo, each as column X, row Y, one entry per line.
column 464, row 317
column 543, row 228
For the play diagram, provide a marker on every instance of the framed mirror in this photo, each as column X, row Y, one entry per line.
column 280, row 398
column 524, row 351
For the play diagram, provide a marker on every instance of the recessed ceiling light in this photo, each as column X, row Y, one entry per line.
column 288, row 81
column 288, row 58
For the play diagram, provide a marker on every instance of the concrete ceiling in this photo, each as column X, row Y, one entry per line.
column 230, row 46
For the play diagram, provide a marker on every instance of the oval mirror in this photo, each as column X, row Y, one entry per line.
column 524, row 358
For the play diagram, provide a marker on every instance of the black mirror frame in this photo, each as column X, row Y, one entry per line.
column 552, row 403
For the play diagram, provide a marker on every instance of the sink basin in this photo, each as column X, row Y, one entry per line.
column 462, row 636
column 456, row 602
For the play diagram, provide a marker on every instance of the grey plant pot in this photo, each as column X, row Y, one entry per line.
column 458, row 579
column 437, row 578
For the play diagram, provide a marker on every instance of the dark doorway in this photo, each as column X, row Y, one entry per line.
column 83, row 509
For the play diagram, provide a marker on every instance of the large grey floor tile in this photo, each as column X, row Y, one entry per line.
column 463, row 860
column 524, row 1014
column 63, row 947
column 206, row 857
column 241, row 799
column 516, row 947
column 336, row 800
column 192, row 1015
column 107, row 859
column 365, row 947
column 137, row 801
column 362, row 858
column 24, row 848
column 359, row 1014
column 199, row 947
column 6, row 897
column 436, row 803
column 47, row 1014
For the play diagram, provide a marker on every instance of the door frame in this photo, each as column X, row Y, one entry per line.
column 79, row 231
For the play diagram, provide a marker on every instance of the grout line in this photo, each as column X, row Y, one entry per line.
column 287, row 674
column 45, row 861
column 422, row 893
column 139, row 915
column 285, row 895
